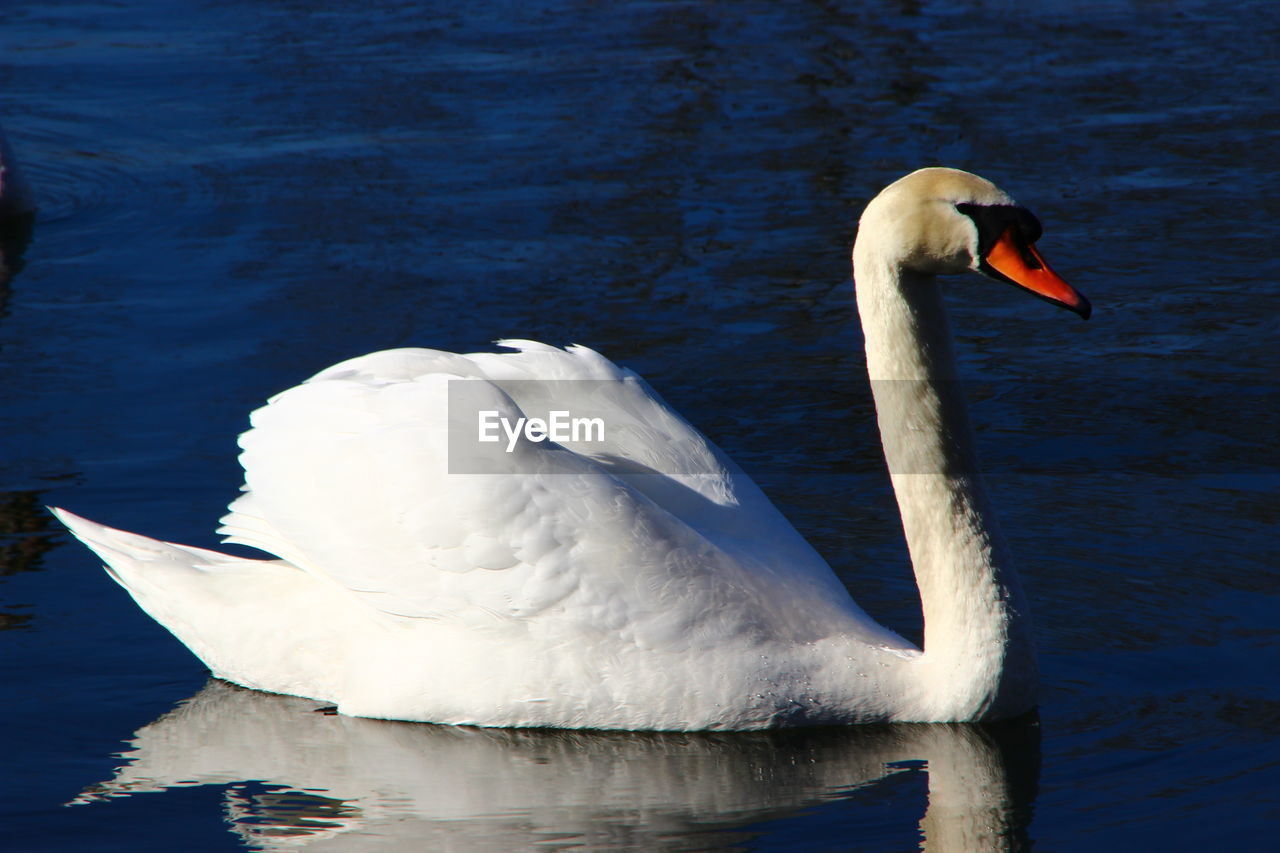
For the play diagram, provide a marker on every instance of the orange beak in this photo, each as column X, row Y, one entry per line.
column 1021, row 264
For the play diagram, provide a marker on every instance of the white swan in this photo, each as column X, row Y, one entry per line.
column 639, row 582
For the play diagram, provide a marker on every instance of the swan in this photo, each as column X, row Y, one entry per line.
column 631, row 580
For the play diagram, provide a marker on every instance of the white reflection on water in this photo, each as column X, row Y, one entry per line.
column 297, row 778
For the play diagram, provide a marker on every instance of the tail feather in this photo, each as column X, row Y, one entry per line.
column 121, row 550
column 260, row 623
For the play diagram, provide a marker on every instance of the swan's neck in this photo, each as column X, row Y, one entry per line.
column 979, row 660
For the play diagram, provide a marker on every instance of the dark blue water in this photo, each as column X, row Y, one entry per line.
column 236, row 194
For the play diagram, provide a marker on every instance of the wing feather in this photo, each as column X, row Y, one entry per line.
column 652, row 532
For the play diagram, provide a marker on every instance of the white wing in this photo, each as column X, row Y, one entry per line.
column 358, row 477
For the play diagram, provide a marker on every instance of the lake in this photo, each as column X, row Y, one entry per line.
column 234, row 195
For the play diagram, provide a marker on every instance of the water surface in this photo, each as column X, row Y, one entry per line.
column 234, row 195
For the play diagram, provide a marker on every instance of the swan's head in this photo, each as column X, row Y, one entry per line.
column 942, row 221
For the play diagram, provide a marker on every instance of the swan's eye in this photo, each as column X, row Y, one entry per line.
column 991, row 221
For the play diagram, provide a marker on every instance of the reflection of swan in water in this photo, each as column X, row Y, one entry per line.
column 333, row 782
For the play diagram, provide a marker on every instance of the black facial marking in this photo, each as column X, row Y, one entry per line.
column 993, row 220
